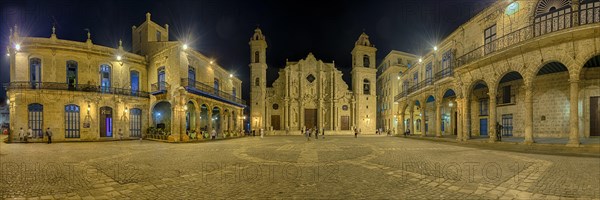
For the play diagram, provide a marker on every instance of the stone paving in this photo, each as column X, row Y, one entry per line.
column 289, row 167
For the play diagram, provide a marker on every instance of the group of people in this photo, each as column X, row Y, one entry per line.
column 380, row 131
column 308, row 132
column 24, row 136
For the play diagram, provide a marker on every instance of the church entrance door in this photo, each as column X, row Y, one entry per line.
column 310, row 118
column 275, row 122
column 345, row 123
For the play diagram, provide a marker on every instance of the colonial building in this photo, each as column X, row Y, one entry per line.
column 388, row 73
column 86, row 92
column 532, row 67
column 311, row 93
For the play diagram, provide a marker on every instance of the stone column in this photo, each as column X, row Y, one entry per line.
column 210, row 120
column 528, row 115
column 466, row 119
column 573, row 112
column 197, row 113
column 459, row 119
column 401, row 128
column 438, row 118
column 492, row 115
column 423, row 117
column 412, row 120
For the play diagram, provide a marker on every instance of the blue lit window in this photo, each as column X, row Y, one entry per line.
column 105, row 78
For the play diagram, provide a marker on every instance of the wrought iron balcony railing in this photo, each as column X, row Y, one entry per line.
column 193, row 85
column 448, row 72
column 401, row 95
column 159, row 87
column 74, row 87
column 542, row 25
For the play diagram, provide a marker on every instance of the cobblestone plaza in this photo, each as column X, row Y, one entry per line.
column 289, row 167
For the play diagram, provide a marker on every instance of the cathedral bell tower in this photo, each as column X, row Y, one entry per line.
column 258, row 79
column 363, row 85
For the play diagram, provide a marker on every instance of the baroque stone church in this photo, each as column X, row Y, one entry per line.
column 310, row 93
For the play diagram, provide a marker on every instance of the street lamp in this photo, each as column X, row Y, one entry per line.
column 18, row 47
column 119, row 58
column 185, row 46
column 435, row 48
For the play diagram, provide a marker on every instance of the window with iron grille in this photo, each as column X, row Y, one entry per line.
column 507, row 125
column 72, row 121
column 36, row 119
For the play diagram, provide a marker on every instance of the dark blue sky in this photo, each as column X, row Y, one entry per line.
column 221, row 28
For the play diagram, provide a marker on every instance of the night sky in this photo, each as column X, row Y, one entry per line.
column 221, row 29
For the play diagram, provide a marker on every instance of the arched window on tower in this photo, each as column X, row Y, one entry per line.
column 366, row 87
column 366, row 61
column 256, row 57
column 257, row 82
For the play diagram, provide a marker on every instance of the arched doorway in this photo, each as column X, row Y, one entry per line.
column 106, row 121
column 190, row 116
column 590, row 75
column 429, row 121
column 551, row 91
column 508, row 110
column 479, row 102
column 216, row 119
column 161, row 115
column 449, row 113
column 205, row 119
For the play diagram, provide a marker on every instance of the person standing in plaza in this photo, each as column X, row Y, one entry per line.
column 316, row 133
column 21, row 134
column 30, row 133
column 355, row 133
column 323, row 133
column 262, row 133
column 49, row 135
column 213, row 134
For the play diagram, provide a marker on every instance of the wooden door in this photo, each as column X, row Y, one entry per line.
column 310, row 118
column 345, row 123
column 275, row 122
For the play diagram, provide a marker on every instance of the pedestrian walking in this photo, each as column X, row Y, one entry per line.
column 323, row 133
column 49, row 135
column 213, row 134
column 355, row 133
column 316, row 133
column 30, row 133
column 262, row 133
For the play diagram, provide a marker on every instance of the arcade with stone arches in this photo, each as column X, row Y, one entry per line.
column 196, row 115
column 557, row 98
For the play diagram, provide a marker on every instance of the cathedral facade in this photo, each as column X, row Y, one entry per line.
column 310, row 93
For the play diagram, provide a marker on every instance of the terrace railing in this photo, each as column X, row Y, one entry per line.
column 191, row 84
column 74, row 87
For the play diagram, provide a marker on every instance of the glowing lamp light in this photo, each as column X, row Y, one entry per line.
column 157, row 114
column 450, row 104
column 18, row 47
column 7, row 101
column 420, row 60
column 89, row 108
column 398, row 77
column 185, row 46
column 244, row 117
column 126, row 110
column 435, row 48
column 230, row 75
column 7, row 54
column 185, row 107
column 211, row 62
column 119, row 58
